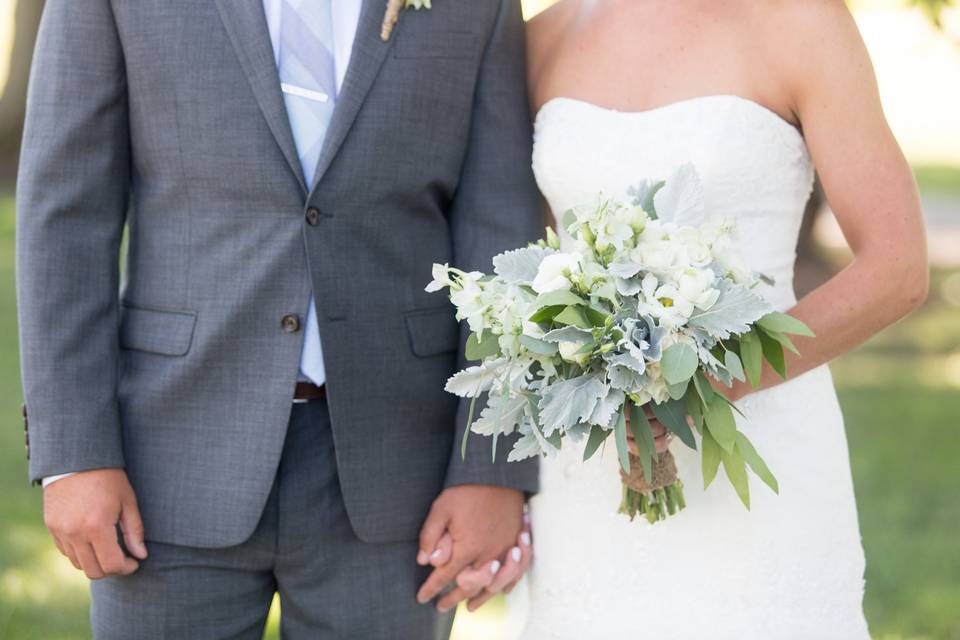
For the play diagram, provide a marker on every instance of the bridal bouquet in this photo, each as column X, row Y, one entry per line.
column 647, row 306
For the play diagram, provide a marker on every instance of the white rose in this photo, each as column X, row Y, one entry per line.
column 555, row 271
column 695, row 286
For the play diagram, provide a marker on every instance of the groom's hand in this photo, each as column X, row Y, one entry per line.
column 483, row 523
column 82, row 513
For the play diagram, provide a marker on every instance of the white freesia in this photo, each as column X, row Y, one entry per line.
column 441, row 278
column 555, row 272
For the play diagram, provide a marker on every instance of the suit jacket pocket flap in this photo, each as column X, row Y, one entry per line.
column 432, row 331
column 167, row 333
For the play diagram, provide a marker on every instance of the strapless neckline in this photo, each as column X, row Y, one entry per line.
column 745, row 103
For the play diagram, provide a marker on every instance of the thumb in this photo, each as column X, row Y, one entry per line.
column 433, row 528
column 132, row 526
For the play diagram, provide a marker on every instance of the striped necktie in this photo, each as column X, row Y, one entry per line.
column 307, row 70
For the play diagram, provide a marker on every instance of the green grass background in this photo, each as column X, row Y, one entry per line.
column 901, row 398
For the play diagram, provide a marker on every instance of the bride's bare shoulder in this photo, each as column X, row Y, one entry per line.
column 807, row 42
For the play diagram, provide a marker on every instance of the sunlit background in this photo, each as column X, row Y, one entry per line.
column 900, row 392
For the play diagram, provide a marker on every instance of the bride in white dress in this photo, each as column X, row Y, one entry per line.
column 755, row 95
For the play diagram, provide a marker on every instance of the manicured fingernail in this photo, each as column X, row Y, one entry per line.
column 443, row 609
column 525, row 538
column 436, row 554
column 494, row 566
column 422, row 557
column 526, row 518
column 516, row 554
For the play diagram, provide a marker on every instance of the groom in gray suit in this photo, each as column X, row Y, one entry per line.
column 259, row 408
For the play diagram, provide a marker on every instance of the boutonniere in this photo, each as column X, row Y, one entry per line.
column 392, row 15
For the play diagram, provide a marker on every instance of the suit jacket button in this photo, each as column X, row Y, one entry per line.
column 313, row 216
column 290, row 323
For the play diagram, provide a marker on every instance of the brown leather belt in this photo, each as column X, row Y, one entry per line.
column 306, row 392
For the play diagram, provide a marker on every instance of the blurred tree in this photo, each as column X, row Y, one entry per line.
column 14, row 94
column 933, row 9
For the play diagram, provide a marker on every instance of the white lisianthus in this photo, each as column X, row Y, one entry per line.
column 555, row 272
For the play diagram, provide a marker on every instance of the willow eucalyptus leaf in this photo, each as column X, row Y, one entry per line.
column 756, row 463
column 777, row 321
column 598, row 435
column 720, row 422
column 673, row 415
column 736, row 471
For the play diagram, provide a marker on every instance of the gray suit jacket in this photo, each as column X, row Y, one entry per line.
column 166, row 117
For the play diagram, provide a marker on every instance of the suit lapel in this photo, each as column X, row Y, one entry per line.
column 246, row 25
column 368, row 55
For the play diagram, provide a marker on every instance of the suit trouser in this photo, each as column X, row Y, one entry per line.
column 331, row 585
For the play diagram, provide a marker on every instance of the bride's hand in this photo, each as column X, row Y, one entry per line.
column 661, row 437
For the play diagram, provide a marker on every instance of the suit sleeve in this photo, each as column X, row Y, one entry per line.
column 496, row 208
column 72, row 195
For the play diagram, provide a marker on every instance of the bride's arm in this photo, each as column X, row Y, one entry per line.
column 866, row 180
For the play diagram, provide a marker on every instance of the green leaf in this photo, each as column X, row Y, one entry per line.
column 678, row 391
column 643, row 436
column 720, row 422
column 596, row 317
column 672, row 415
column 784, row 323
column 547, row 314
column 704, row 388
column 561, row 297
column 710, row 459
column 773, row 353
column 751, row 353
column 480, row 347
column 695, row 409
column 737, row 473
column 753, row 459
column 732, row 362
column 598, row 435
column 538, row 346
column 573, row 316
column 782, row 339
column 679, row 363
column 620, row 437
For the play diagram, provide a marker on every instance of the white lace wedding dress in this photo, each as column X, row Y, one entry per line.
column 792, row 567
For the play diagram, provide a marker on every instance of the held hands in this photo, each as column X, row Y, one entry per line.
column 478, row 542
column 82, row 513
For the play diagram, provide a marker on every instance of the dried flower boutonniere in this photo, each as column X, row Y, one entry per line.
column 392, row 15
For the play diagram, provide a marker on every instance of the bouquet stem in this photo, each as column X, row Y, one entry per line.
column 657, row 499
